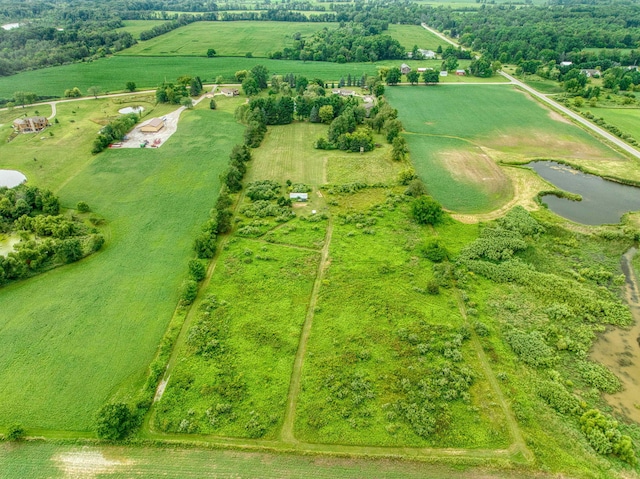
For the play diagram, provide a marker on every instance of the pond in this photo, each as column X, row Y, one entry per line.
column 603, row 201
column 11, row 178
column 129, row 109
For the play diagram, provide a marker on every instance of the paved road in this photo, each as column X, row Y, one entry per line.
column 438, row 34
column 595, row 128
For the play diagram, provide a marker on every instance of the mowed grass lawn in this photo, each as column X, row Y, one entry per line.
column 232, row 39
column 112, row 73
column 85, row 333
column 457, row 133
column 288, row 153
column 410, row 35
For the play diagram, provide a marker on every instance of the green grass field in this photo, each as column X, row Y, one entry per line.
column 232, row 39
column 410, row 35
column 359, row 365
column 627, row 119
column 288, row 153
column 111, row 74
column 135, row 27
column 456, row 139
column 31, row 461
column 76, row 336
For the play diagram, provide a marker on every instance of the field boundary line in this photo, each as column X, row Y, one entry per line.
column 286, row 433
column 519, row 444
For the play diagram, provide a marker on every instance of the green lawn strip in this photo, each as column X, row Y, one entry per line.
column 239, row 386
column 79, row 335
column 233, row 39
column 42, row 459
column 135, row 27
column 410, row 35
column 372, row 315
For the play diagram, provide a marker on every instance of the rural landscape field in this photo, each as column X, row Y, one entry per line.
column 312, row 239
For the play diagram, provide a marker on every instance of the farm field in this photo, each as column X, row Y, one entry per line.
column 288, row 153
column 76, row 336
column 233, row 39
column 627, row 119
column 410, row 35
column 135, row 27
column 112, row 73
column 455, row 141
column 31, row 461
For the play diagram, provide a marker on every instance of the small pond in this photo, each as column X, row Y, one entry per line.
column 11, row 178
column 603, row 201
column 130, row 109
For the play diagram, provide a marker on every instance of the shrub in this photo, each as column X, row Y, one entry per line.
column 599, row 377
column 114, row 421
column 212, row 104
column 433, row 287
column 189, row 292
column 530, row 348
column 425, row 210
column 416, row 188
column 197, row 270
column 434, row 250
column 82, row 207
column 15, row 433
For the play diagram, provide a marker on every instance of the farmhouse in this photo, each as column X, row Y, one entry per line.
column 590, row 73
column 427, row 54
column 229, row 91
column 31, row 124
column 404, row 68
column 299, row 196
column 343, row 92
column 154, row 126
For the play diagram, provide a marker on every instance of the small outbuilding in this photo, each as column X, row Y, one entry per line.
column 299, row 196
column 32, row 124
column 566, row 64
column 444, row 73
column 230, row 92
column 404, row 68
column 154, row 126
column 461, row 73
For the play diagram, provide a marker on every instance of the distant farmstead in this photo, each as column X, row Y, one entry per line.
column 230, row 92
column 154, row 126
column 32, row 124
column 299, row 196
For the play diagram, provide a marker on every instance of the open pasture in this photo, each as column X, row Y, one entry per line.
column 233, row 39
column 135, row 27
column 79, row 335
column 410, row 35
column 377, row 332
column 288, row 154
column 454, row 138
column 112, row 73
column 233, row 375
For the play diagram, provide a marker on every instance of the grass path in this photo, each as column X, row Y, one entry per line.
column 294, row 386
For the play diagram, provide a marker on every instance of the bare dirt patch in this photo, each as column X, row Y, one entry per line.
column 477, row 168
column 526, row 185
column 88, row 463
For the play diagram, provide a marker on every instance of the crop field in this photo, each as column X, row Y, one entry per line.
column 78, row 335
column 455, row 140
column 233, row 39
column 288, row 153
column 135, row 27
column 627, row 119
column 410, row 35
column 111, row 74
column 31, row 461
column 378, row 334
